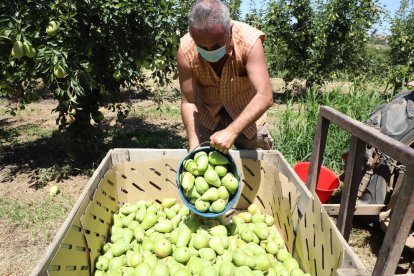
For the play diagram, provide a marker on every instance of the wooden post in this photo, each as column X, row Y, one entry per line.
column 317, row 152
column 353, row 174
column 399, row 227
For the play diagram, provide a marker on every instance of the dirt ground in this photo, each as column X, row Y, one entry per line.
column 30, row 217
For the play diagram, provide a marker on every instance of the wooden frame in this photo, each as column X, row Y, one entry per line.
column 403, row 215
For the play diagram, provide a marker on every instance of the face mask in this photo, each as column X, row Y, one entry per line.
column 213, row 56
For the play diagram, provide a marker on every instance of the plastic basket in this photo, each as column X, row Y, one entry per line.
column 232, row 168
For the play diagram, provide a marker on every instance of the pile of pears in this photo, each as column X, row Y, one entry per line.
column 207, row 183
column 148, row 238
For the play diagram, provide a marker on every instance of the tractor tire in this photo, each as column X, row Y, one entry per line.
column 395, row 119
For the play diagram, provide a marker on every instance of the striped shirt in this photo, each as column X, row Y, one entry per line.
column 232, row 90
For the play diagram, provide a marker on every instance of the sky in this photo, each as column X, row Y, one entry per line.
column 389, row 5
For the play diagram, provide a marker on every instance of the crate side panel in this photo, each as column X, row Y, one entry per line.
column 72, row 255
column 317, row 243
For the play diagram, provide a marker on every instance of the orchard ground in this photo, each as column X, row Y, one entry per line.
column 32, row 159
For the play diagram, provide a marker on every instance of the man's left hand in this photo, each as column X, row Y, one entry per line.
column 222, row 140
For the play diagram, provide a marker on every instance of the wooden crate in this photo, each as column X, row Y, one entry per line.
column 128, row 175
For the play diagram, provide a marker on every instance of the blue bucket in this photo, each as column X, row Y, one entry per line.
column 232, row 167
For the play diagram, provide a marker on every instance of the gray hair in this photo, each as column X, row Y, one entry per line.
column 208, row 13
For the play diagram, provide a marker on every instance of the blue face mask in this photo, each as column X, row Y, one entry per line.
column 213, row 56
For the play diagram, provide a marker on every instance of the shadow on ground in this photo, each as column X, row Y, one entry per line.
column 51, row 152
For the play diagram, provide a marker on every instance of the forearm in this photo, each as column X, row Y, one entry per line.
column 189, row 115
column 253, row 111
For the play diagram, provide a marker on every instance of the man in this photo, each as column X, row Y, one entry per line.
column 224, row 82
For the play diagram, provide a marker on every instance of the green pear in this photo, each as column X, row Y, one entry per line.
column 240, row 258
column 160, row 269
column 143, row 269
column 201, row 185
column 147, row 244
column 237, row 219
column 127, row 235
column 162, row 247
column 290, row 264
column 182, row 254
column 258, row 218
column 169, row 213
column 168, row 202
column 184, row 236
column 216, row 243
column 256, row 249
column 232, row 184
column 282, row 254
column 149, row 221
column 223, row 193
column 297, row 272
column 247, row 235
column 207, row 254
column 221, row 170
column 191, row 166
column 208, row 270
column 128, row 219
column 219, row 230
column 134, row 259
column 119, row 248
column 218, row 206
column 253, row 209
column 201, row 159
column 271, row 247
column 102, row 263
column 201, row 205
column 99, row 273
column 192, row 193
column 261, row 230
column 176, row 207
column 260, row 262
column 174, row 235
column 115, row 264
column 164, row 226
column 127, row 209
column 211, row 194
column 269, row 220
column 142, row 211
column 200, row 240
column 182, row 272
column 227, row 269
column 212, row 178
column 217, row 158
column 187, row 180
column 196, row 264
column 247, row 217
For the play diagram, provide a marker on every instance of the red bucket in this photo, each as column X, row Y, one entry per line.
column 327, row 183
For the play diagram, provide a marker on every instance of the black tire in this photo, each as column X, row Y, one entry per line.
column 395, row 119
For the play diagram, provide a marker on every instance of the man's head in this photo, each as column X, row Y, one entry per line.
column 209, row 24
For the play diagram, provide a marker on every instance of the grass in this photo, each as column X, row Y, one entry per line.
column 28, row 132
column 297, row 124
column 32, row 214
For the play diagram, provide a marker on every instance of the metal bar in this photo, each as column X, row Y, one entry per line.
column 350, row 189
column 317, row 152
column 399, row 227
column 388, row 145
column 360, row 209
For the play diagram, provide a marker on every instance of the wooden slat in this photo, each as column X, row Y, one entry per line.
column 399, row 227
column 384, row 143
column 353, row 174
column 317, row 153
column 352, row 272
column 360, row 209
